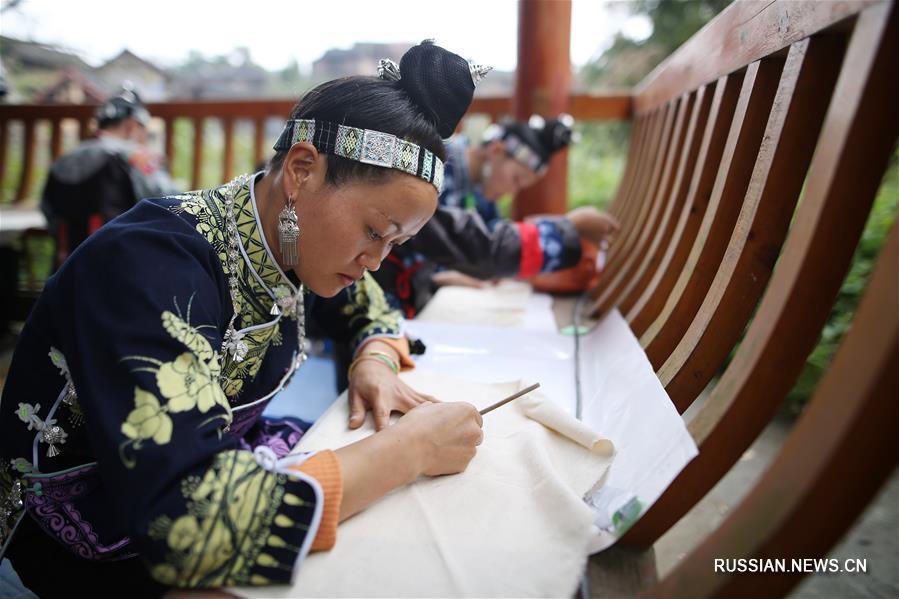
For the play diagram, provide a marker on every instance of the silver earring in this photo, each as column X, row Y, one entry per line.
column 288, row 233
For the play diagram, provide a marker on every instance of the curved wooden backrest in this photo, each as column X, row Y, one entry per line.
column 722, row 248
column 815, row 486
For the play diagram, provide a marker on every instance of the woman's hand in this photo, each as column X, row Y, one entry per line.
column 593, row 225
column 374, row 386
column 444, row 435
column 432, row 439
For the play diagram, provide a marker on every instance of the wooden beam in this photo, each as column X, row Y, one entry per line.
column 543, row 86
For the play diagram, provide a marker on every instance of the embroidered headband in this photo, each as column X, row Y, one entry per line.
column 533, row 144
column 521, row 152
column 364, row 145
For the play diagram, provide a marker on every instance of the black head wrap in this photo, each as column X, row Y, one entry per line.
column 542, row 137
column 439, row 83
column 123, row 105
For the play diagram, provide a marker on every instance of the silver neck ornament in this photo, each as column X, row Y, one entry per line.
column 286, row 302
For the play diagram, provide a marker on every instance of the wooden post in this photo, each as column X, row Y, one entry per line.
column 543, row 86
column 199, row 133
column 169, row 141
column 258, row 141
column 228, row 158
column 28, row 150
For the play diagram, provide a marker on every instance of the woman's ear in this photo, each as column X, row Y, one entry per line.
column 303, row 168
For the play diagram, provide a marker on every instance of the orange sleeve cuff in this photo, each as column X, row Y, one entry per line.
column 324, row 467
column 401, row 345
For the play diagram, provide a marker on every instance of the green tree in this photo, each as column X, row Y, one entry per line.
column 596, row 163
column 673, row 22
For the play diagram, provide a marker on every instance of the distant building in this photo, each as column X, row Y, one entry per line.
column 150, row 81
column 361, row 59
column 71, row 87
column 19, row 55
column 496, row 83
column 31, row 67
column 236, row 76
column 43, row 73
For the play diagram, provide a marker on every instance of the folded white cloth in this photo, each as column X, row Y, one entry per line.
column 513, row 524
column 553, row 417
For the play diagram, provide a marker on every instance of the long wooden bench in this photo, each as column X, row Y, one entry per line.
column 757, row 151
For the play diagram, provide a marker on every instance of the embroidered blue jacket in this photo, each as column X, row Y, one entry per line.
column 128, row 433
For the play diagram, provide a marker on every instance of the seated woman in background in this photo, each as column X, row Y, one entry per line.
column 134, row 454
column 466, row 233
column 104, row 176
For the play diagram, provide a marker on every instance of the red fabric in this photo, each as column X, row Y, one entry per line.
column 531, row 252
column 94, row 222
column 62, row 243
column 404, row 285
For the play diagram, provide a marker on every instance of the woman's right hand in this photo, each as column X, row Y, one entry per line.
column 432, row 439
column 443, row 435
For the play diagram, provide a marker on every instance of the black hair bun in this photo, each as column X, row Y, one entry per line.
column 439, row 83
column 556, row 134
column 544, row 136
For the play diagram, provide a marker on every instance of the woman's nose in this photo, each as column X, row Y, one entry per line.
column 369, row 262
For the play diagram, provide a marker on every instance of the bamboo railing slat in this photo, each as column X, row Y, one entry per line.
column 721, row 113
column 674, row 205
column 751, row 115
column 784, row 156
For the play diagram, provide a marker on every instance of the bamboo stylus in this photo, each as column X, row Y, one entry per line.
column 503, row 402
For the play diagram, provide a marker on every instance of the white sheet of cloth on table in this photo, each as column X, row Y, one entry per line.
column 513, row 524
column 622, row 397
column 508, row 303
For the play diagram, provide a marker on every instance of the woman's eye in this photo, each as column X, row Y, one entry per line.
column 374, row 235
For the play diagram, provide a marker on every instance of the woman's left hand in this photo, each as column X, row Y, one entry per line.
column 374, row 386
column 592, row 225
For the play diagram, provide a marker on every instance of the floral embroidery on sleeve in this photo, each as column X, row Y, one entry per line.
column 236, row 530
column 189, row 382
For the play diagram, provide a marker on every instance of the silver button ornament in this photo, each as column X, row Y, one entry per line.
column 53, row 434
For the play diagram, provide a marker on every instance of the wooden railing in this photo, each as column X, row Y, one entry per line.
column 720, row 266
column 228, row 113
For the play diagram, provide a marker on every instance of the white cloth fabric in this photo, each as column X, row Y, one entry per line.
column 502, row 305
column 622, row 397
column 513, row 524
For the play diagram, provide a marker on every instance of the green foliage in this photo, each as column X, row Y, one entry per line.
column 881, row 219
column 182, row 160
column 9, row 180
column 211, row 172
column 628, row 61
column 596, row 163
column 675, row 21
